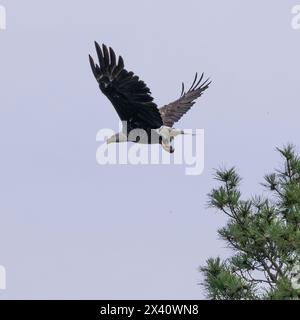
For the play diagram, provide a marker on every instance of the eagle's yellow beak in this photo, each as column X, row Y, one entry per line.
column 110, row 140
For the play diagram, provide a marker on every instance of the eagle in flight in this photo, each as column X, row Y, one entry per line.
column 143, row 121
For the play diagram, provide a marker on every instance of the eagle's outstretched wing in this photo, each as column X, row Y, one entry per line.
column 173, row 111
column 129, row 95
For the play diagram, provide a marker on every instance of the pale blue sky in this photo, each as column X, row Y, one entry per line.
column 70, row 228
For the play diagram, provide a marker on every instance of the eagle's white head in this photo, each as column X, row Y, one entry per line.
column 116, row 138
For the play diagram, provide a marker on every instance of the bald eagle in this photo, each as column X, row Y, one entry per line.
column 143, row 121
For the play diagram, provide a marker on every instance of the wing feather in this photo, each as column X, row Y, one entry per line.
column 173, row 111
column 129, row 95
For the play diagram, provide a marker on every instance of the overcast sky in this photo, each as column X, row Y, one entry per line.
column 70, row 228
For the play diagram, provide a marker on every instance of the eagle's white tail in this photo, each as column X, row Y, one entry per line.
column 168, row 134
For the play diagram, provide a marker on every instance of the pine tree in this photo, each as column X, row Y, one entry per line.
column 263, row 233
